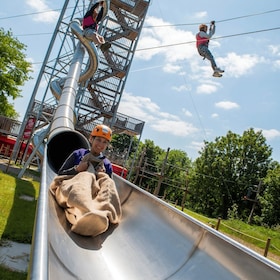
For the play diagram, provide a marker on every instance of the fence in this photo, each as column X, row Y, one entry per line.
column 267, row 243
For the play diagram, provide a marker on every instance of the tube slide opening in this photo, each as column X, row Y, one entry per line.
column 61, row 145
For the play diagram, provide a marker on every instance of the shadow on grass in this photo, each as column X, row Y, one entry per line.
column 19, row 226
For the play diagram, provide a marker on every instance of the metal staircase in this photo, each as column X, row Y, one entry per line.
column 99, row 96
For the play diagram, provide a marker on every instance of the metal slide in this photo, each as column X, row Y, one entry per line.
column 153, row 239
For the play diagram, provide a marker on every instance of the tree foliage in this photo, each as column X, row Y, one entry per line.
column 217, row 181
column 124, row 144
column 162, row 172
column 147, row 159
column 175, row 173
column 270, row 200
column 225, row 170
column 14, row 71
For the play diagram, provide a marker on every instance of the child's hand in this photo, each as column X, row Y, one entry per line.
column 83, row 166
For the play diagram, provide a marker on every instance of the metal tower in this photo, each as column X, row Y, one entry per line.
column 99, row 96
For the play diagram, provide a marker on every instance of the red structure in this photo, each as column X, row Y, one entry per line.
column 119, row 170
column 7, row 144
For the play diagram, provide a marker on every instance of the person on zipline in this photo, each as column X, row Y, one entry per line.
column 202, row 42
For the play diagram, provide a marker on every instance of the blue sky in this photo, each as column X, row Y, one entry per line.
column 169, row 86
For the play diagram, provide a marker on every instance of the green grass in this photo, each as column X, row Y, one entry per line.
column 17, row 215
column 251, row 236
column 7, row 274
column 255, row 235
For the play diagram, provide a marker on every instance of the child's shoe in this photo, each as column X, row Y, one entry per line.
column 105, row 47
column 219, row 70
column 217, row 74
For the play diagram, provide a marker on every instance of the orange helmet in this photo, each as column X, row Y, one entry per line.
column 102, row 130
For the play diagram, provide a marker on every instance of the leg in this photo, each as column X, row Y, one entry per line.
column 107, row 199
column 93, row 36
column 204, row 51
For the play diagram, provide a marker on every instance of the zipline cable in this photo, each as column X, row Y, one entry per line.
column 153, row 26
column 223, row 20
column 193, row 42
column 214, row 38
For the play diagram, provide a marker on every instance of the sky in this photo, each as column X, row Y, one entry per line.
column 169, row 86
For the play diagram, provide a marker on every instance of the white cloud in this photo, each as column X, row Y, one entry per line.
column 269, row 134
column 277, row 63
column 237, row 65
column 197, row 146
column 149, row 112
column 144, row 109
column 182, row 88
column 174, row 44
column 214, row 116
column 41, row 6
column 206, row 89
column 200, row 15
column 175, row 127
column 151, row 44
column 274, row 49
column 34, row 67
column 187, row 112
column 227, row 105
column 171, row 68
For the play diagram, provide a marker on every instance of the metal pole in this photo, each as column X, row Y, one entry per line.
column 44, row 63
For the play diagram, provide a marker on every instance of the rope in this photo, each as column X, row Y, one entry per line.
column 247, row 235
column 252, row 237
column 215, row 38
column 223, row 20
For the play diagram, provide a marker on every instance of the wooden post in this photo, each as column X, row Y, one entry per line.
column 254, row 203
column 142, row 173
column 143, row 153
column 267, row 247
column 161, row 176
column 186, row 192
column 218, row 223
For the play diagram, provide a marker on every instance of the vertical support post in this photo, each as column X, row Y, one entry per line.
column 254, row 204
column 161, row 176
column 218, row 223
column 138, row 168
column 186, row 192
column 267, row 247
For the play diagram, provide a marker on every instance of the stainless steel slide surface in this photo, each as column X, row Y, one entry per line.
column 153, row 241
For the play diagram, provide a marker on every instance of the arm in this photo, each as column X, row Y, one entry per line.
column 108, row 166
column 100, row 15
column 203, row 34
column 212, row 29
column 74, row 164
column 68, row 167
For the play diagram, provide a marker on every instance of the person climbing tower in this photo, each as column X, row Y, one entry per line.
column 202, row 42
column 90, row 25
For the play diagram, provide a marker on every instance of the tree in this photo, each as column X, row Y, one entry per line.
column 270, row 200
column 149, row 167
column 122, row 142
column 225, row 170
column 175, row 175
column 14, row 71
